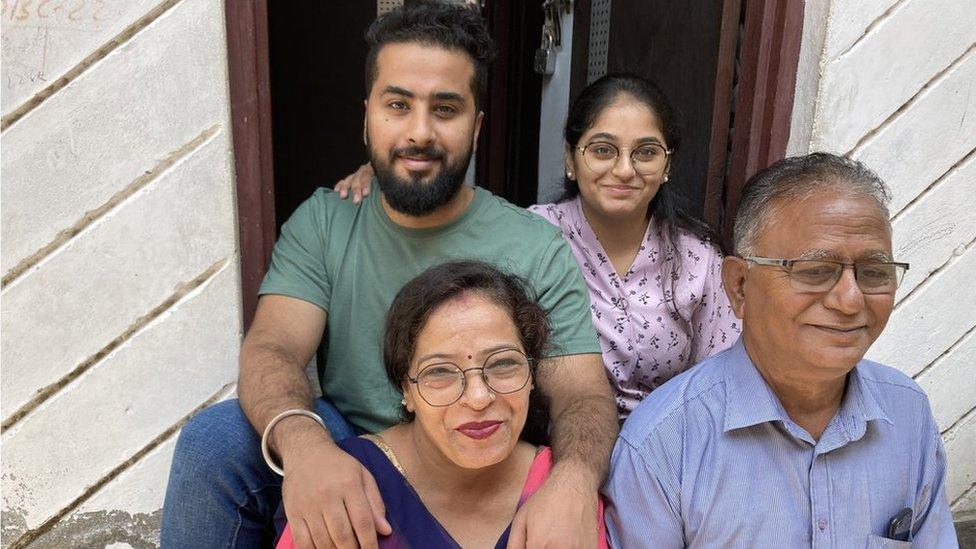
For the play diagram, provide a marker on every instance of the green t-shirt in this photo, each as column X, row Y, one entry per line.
column 352, row 260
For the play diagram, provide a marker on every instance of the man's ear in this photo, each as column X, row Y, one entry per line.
column 477, row 130
column 734, row 272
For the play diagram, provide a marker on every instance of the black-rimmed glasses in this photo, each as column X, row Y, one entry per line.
column 820, row 275
column 442, row 384
column 647, row 159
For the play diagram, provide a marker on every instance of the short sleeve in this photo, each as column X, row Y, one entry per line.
column 298, row 268
column 563, row 294
column 714, row 325
column 643, row 506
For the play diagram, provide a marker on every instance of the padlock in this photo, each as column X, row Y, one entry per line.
column 545, row 57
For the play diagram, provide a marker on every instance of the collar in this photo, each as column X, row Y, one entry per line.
column 751, row 401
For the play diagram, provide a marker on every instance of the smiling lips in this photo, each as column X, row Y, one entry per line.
column 620, row 189
column 839, row 330
column 479, row 430
column 418, row 162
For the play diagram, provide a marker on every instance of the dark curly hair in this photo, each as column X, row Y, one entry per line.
column 434, row 23
column 425, row 294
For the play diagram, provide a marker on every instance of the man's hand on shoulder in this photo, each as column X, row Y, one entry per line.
column 330, row 499
column 563, row 513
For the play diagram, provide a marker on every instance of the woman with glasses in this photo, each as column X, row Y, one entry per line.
column 461, row 344
column 653, row 271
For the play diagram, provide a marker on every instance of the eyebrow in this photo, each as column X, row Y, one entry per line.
column 640, row 140
column 874, row 255
column 439, row 96
column 483, row 352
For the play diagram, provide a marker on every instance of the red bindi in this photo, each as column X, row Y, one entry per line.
column 469, row 357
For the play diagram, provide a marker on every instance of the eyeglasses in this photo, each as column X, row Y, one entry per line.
column 647, row 159
column 820, row 275
column 443, row 383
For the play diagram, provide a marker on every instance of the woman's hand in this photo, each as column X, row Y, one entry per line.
column 356, row 183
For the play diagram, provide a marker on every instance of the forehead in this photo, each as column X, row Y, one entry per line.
column 423, row 69
column 843, row 226
column 626, row 118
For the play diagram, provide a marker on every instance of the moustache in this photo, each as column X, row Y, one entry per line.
column 429, row 152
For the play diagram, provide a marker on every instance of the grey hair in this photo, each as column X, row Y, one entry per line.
column 798, row 178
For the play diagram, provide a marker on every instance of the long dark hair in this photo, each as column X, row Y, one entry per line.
column 422, row 296
column 667, row 206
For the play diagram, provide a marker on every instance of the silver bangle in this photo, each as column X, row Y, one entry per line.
column 266, row 452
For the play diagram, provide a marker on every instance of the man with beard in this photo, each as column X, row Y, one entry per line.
column 426, row 77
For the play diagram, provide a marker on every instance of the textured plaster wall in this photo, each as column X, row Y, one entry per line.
column 121, row 299
column 893, row 83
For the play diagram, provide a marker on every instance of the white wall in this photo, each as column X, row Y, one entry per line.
column 121, row 299
column 893, row 83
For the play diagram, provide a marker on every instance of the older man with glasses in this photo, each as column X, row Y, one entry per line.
column 790, row 438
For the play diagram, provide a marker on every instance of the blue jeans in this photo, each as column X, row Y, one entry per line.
column 220, row 492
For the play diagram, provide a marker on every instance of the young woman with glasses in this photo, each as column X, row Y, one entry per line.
column 653, row 271
column 461, row 344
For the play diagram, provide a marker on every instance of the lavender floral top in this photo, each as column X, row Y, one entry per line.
column 644, row 341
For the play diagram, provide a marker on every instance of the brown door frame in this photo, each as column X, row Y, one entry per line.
column 250, row 107
column 768, row 58
column 763, row 105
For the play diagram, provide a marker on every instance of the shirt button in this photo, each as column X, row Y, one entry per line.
column 822, row 524
column 622, row 304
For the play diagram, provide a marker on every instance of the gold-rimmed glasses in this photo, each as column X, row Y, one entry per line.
column 442, row 384
column 647, row 158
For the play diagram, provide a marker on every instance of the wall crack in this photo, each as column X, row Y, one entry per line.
column 932, row 82
column 102, row 52
column 31, row 535
column 181, row 293
column 117, row 199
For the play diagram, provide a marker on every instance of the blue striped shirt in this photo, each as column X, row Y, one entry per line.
column 711, row 459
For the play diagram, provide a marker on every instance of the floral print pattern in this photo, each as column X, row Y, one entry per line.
column 646, row 341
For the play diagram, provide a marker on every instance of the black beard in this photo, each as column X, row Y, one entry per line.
column 412, row 196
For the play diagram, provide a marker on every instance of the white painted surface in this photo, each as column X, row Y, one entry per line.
column 868, row 83
column 950, row 382
column 88, row 156
column 896, row 78
column 929, row 137
column 44, row 39
column 123, row 403
column 936, row 226
column 76, row 316
column 120, row 118
column 960, row 442
column 930, row 320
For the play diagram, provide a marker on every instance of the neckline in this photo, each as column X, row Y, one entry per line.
column 394, row 462
column 477, row 202
column 607, row 265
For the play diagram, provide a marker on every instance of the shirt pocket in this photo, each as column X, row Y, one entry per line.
column 876, row 542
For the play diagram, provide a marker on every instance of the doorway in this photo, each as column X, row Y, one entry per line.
column 296, row 80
